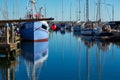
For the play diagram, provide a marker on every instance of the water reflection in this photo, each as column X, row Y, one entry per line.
column 89, row 41
column 97, row 62
column 62, row 30
column 71, row 57
column 7, row 65
column 34, row 54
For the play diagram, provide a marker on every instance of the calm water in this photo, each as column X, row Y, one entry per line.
column 66, row 56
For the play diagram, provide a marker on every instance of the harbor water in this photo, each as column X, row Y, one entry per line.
column 66, row 56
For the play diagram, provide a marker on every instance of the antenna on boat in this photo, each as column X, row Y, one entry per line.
column 30, row 8
column 40, row 11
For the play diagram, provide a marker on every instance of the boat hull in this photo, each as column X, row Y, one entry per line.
column 87, row 32
column 34, row 32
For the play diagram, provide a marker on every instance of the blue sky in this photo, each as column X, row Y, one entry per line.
column 54, row 9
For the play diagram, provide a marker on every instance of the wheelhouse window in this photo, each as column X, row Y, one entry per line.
column 44, row 27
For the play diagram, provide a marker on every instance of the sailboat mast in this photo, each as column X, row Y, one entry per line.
column 79, row 9
column 5, row 9
column 45, row 7
column 87, row 10
column 62, row 11
column 70, row 10
column 99, row 10
column 13, row 9
column 76, row 10
column 17, row 8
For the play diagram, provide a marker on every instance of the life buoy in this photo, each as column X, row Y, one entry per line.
column 53, row 27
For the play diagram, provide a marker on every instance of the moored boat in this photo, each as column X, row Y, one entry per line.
column 98, row 31
column 36, row 31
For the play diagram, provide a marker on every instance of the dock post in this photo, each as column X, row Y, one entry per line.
column 7, row 33
column 12, row 33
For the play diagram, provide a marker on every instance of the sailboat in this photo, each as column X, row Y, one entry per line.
column 35, row 31
column 77, row 28
column 97, row 29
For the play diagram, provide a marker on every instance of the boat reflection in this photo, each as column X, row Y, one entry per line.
column 94, row 47
column 34, row 54
column 89, row 42
column 62, row 31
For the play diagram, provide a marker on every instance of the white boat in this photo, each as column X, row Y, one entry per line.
column 36, row 31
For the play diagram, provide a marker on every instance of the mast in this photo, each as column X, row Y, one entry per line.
column 76, row 10
column 56, row 14
column 113, row 13
column 99, row 10
column 87, row 10
column 45, row 7
column 79, row 9
column 32, row 7
column 84, row 13
column 17, row 8
column 70, row 10
column 62, row 10
column 13, row 9
column 5, row 9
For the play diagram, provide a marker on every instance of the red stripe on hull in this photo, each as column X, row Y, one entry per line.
column 39, row 40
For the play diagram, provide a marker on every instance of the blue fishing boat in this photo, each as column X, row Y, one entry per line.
column 36, row 31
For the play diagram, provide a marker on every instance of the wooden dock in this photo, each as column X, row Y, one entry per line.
column 26, row 20
column 9, row 39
